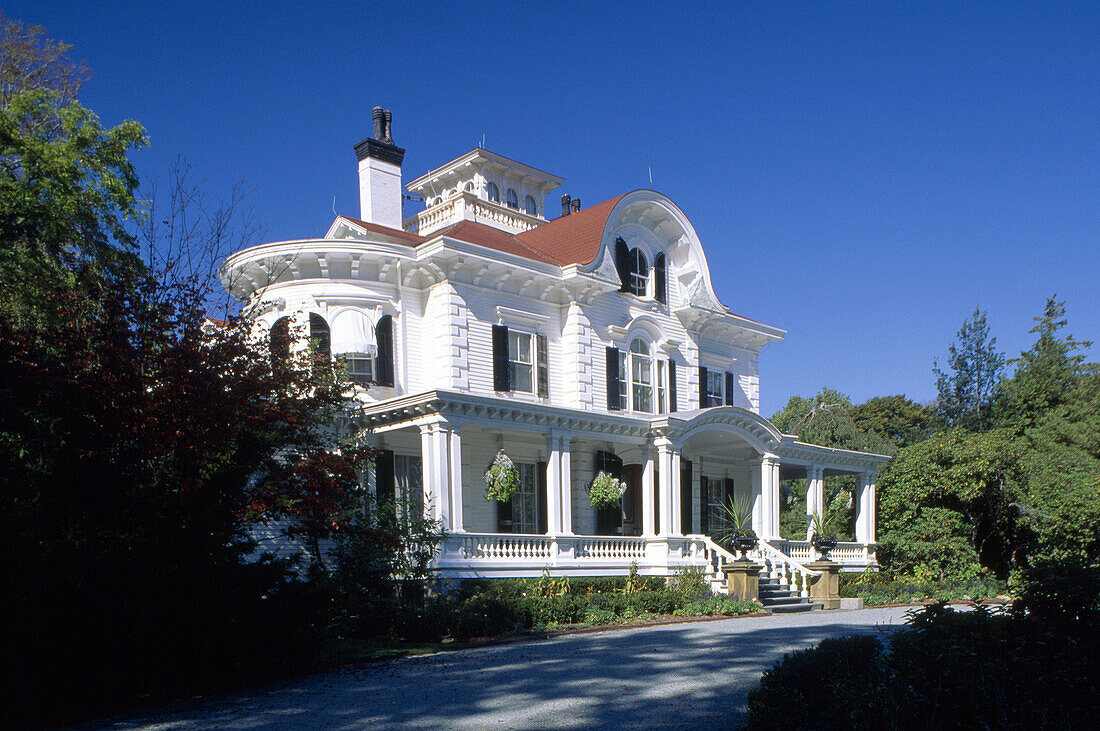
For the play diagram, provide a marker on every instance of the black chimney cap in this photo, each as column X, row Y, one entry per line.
column 565, row 203
column 380, row 146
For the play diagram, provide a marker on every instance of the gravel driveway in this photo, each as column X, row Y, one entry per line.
column 691, row 675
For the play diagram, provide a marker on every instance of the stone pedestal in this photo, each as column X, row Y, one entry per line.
column 825, row 589
column 743, row 580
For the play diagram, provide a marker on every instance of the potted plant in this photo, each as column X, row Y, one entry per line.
column 822, row 535
column 605, row 491
column 501, row 479
column 738, row 534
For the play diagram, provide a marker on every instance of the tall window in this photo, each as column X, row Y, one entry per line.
column 529, row 206
column 662, row 389
column 641, row 376
column 494, row 192
column 520, row 361
column 513, row 198
column 639, row 273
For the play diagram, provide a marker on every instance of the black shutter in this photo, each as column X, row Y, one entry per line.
column 727, row 492
column 383, row 335
column 622, row 264
column 685, row 496
column 729, row 389
column 540, row 502
column 614, row 397
column 703, row 401
column 660, row 285
column 384, row 481
column 542, row 361
column 501, row 380
column 671, row 385
column 704, row 512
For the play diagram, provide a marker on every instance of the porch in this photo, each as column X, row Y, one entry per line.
column 679, row 470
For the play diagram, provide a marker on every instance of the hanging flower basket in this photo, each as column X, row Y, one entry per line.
column 501, row 479
column 605, row 491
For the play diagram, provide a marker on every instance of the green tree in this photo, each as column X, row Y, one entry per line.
column 968, row 388
column 900, row 420
column 946, row 506
column 1048, row 375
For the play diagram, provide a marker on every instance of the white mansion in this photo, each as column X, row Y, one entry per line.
column 593, row 341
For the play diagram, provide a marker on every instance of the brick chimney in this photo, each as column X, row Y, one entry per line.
column 380, row 174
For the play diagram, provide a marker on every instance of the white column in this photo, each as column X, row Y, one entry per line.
column 675, row 486
column 566, row 479
column 815, row 495
column 553, row 484
column 454, row 476
column 769, row 488
column 648, row 524
column 759, row 505
column 865, row 515
column 664, row 461
column 434, row 457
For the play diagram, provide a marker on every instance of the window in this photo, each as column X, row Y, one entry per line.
column 399, row 485
column 359, row 367
column 513, row 198
column 662, row 390
column 493, row 192
column 717, row 493
column 638, row 273
column 469, row 188
column 520, row 362
column 529, row 206
column 715, row 388
column 641, row 376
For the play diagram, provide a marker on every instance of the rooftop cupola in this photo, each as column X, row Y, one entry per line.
column 380, row 174
column 483, row 187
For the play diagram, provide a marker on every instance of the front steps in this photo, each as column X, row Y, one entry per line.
column 778, row 598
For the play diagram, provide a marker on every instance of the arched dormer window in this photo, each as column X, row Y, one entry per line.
column 529, row 206
column 513, row 198
column 641, row 376
column 469, row 188
column 280, row 342
column 493, row 192
column 320, row 340
column 638, row 273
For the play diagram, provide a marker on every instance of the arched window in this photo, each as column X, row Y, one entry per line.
column 529, row 206
column 469, row 187
column 493, row 192
column 641, row 376
column 320, row 340
column 638, row 273
column 280, row 342
column 513, row 198
column 436, row 201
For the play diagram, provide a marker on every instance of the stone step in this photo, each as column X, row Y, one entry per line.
column 792, row 608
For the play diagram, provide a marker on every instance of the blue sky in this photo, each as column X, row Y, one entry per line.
column 861, row 175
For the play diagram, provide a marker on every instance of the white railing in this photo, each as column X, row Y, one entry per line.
column 847, row 553
column 715, row 557
column 784, row 568
column 497, row 546
column 588, row 547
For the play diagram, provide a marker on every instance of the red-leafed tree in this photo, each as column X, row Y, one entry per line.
column 138, row 448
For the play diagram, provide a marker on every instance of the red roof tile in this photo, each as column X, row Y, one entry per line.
column 572, row 239
column 492, row 238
